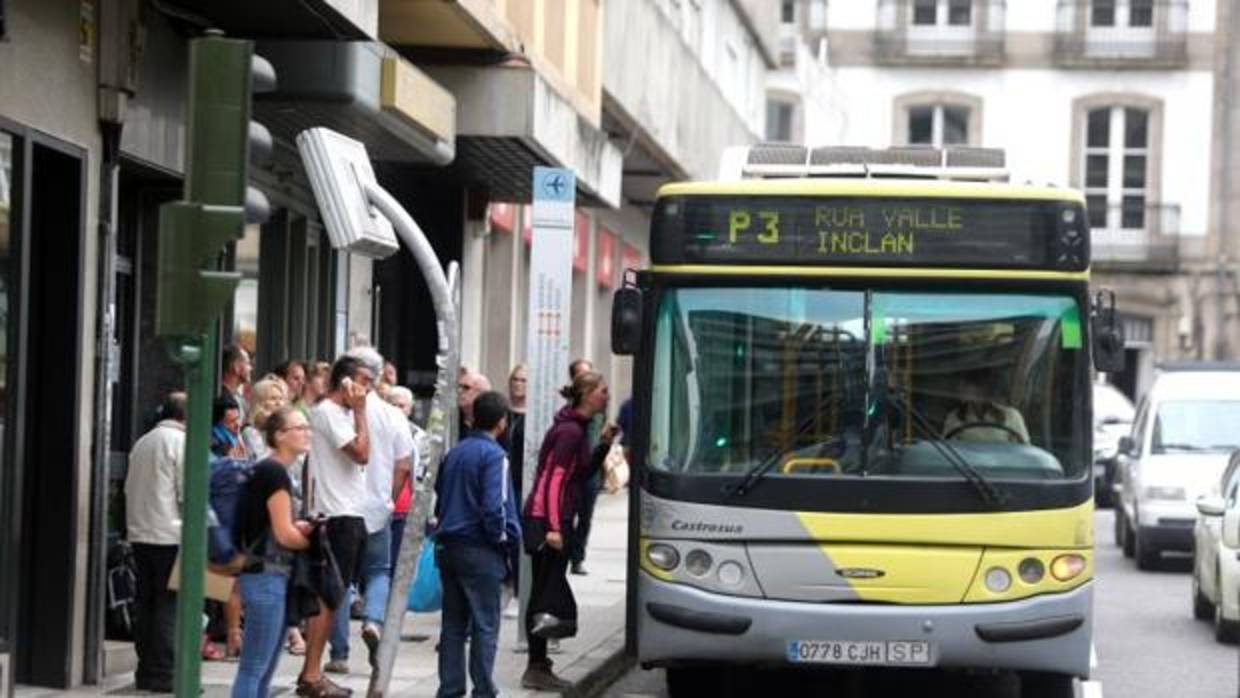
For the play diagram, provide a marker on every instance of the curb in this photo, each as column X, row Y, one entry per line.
column 603, row 674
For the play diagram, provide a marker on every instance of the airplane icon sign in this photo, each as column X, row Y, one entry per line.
column 554, row 184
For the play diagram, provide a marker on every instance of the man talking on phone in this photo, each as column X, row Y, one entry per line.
column 339, row 451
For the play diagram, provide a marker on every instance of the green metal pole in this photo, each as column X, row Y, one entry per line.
column 199, row 362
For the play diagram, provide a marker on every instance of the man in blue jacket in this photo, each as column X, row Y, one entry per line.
column 478, row 526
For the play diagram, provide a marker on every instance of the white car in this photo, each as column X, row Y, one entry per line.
column 1216, row 557
column 1113, row 415
column 1186, row 428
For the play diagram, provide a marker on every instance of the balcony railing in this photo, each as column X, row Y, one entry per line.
column 1127, row 33
column 973, row 38
column 1142, row 238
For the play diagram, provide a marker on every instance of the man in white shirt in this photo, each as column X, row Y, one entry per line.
column 391, row 459
column 153, row 495
column 339, row 451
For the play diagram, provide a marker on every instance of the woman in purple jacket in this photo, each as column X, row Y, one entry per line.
column 564, row 461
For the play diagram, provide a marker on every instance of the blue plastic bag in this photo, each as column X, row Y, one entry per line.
column 426, row 592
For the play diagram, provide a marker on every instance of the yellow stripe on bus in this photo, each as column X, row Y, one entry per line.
column 869, row 272
column 1047, row 528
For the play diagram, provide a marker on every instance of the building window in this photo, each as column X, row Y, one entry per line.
column 779, row 121
column 938, row 125
column 953, row 13
column 788, row 11
column 1115, row 167
column 1121, row 13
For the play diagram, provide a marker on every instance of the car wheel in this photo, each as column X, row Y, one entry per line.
column 1147, row 555
column 1225, row 631
column 1128, row 543
column 1045, row 684
column 1202, row 608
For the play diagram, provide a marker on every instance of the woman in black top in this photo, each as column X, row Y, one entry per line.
column 265, row 531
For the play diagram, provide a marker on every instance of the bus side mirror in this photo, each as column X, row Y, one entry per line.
column 1108, row 338
column 626, row 321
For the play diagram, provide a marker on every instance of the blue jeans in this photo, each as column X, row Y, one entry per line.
column 472, row 575
column 262, row 600
column 376, row 581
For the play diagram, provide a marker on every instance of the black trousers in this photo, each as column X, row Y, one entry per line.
column 155, row 622
column 549, row 593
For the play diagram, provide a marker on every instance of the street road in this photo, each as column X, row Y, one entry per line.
column 1147, row 644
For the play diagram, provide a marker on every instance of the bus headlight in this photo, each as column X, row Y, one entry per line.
column 698, row 562
column 730, row 574
column 1031, row 570
column 1067, row 567
column 663, row 556
column 998, row 580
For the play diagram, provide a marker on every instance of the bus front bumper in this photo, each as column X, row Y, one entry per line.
column 679, row 624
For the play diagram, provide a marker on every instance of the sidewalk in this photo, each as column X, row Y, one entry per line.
column 597, row 649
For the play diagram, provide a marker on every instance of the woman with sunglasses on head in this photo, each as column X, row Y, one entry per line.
column 264, row 529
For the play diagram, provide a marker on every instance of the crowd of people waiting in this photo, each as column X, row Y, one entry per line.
column 330, row 452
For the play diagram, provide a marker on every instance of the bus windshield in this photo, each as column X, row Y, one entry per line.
column 852, row 383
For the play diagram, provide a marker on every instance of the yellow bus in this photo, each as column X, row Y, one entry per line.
column 862, row 419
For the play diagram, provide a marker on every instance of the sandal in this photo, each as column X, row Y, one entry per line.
column 212, row 652
column 323, row 688
column 296, row 644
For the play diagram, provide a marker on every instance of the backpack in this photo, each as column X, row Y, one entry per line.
column 228, row 479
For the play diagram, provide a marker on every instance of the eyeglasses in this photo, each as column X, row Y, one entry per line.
column 299, row 427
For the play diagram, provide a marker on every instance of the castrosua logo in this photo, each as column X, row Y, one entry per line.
column 705, row 527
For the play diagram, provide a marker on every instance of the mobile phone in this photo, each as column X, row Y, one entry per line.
column 346, row 383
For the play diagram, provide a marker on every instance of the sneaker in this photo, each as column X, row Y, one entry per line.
column 371, row 636
column 553, row 646
column 579, row 568
column 337, row 666
column 540, row 678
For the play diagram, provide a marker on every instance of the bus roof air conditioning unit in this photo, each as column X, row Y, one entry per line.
column 791, row 161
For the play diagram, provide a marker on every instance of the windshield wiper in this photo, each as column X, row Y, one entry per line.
column 756, row 473
column 988, row 492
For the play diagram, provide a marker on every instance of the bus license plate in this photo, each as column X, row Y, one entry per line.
column 861, row 653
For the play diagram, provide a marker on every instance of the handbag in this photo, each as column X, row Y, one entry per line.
column 533, row 534
column 216, row 586
column 426, row 592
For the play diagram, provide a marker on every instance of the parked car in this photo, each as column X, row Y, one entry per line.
column 1216, row 565
column 1186, row 428
column 1113, row 415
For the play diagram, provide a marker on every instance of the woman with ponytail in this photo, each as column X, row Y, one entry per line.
column 564, row 461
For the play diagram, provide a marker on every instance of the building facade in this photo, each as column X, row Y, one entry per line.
column 456, row 101
column 1120, row 99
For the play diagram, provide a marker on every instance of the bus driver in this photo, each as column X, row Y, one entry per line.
column 979, row 417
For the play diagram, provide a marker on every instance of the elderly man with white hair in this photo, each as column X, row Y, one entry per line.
column 402, row 398
column 469, row 386
column 392, row 454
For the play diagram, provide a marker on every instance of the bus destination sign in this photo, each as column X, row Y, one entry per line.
column 870, row 231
